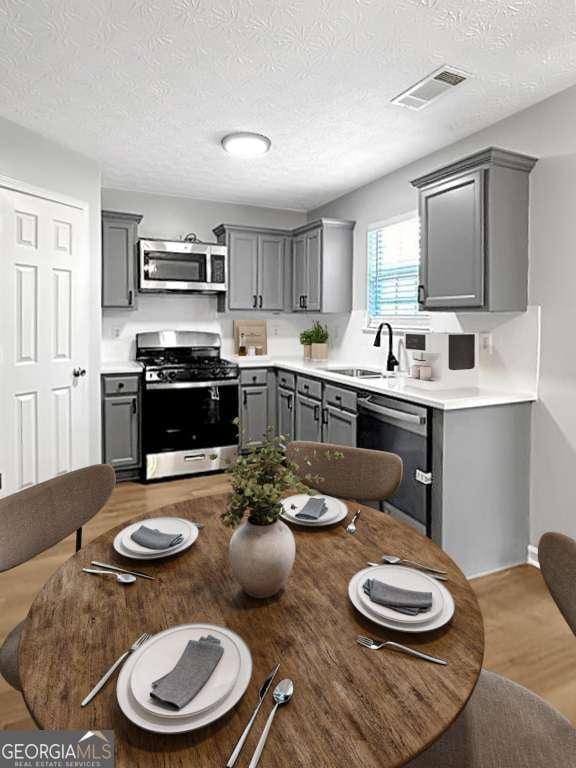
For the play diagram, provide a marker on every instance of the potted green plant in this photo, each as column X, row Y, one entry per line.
column 319, row 341
column 262, row 548
column 306, row 344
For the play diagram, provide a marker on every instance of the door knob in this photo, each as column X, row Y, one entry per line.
column 77, row 372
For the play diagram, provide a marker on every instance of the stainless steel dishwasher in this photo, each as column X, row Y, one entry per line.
column 386, row 424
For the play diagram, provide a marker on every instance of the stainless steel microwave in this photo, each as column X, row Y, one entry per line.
column 181, row 266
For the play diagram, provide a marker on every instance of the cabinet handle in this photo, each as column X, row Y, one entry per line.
column 254, row 301
column 290, row 402
column 134, row 405
column 305, row 302
column 245, row 397
column 316, row 413
column 260, row 303
column 301, row 302
column 130, row 298
column 421, row 295
column 324, row 415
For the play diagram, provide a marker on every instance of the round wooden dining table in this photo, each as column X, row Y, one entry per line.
column 351, row 706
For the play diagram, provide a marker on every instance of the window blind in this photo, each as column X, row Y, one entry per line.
column 393, row 260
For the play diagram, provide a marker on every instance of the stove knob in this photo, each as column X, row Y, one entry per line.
column 160, row 375
column 171, row 375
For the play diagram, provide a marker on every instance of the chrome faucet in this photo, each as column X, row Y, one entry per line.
column 391, row 362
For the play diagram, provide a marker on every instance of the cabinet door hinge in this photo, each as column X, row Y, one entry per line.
column 423, row 477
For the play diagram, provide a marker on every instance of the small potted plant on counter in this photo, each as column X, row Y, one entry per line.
column 262, row 548
column 306, row 344
column 319, row 341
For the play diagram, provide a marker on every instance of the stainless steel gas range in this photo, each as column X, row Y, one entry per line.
column 190, row 403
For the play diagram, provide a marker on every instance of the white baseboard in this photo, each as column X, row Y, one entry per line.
column 533, row 556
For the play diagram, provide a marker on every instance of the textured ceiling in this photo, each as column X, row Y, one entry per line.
column 148, row 87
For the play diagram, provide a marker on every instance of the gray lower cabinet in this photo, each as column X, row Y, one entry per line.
column 339, row 426
column 253, row 415
column 308, row 419
column 119, row 239
column 121, row 422
column 286, row 413
column 474, row 233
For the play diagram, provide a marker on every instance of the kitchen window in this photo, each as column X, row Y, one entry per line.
column 393, row 261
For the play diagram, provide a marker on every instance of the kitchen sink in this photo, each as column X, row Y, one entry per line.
column 362, row 373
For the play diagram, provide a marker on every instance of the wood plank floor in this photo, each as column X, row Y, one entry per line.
column 526, row 638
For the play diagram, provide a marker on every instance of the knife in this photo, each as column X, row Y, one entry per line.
column 261, row 694
column 122, row 570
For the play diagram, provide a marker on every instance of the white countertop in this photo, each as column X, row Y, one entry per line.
column 120, row 366
column 400, row 387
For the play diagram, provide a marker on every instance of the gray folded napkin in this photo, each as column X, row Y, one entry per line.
column 313, row 509
column 406, row 601
column 152, row 538
column 191, row 673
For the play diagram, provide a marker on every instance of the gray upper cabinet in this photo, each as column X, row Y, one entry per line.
column 243, row 270
column 119, row 238
column 253, row 415
column 308, row 269
column 271, row 265
column 257, row 266
column 474, row 233
column 322, row 266
column 308, row 419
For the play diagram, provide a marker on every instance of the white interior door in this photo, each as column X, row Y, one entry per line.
column 44, row 392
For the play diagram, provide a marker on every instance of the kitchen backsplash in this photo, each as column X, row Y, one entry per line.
column 509, row 355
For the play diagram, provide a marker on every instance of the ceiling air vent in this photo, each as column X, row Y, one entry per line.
column 431, row 88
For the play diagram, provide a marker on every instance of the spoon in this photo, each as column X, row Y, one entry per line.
column 121, row 578
column 282, row 695
column 393, row 560
column 351, row 527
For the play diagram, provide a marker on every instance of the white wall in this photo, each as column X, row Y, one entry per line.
column 546, row 131
column 172, row 217
column 31, row 158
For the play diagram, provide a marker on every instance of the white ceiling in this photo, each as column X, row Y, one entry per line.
column 148, row 87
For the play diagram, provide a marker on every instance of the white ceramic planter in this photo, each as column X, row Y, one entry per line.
column 319, row 351
column 261, row 557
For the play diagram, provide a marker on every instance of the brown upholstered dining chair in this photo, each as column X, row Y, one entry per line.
column 503, row 724
column 360, row 474
column 39, row 517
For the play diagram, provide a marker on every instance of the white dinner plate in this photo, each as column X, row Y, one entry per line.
column 426, row 626
column 153, row 554
column 172, row 525
column 403, row 578
column 160, row 655
column 336, row 511
column 150, row 722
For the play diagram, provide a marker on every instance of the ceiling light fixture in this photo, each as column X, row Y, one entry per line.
column 246, row 144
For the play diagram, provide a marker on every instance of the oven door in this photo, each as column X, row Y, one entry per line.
column 189, row 427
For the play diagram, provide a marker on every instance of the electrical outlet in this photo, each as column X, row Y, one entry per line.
column 116, row 333
column 486, row 343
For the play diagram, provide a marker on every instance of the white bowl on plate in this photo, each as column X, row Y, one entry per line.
column 150, row 722
column 438, row 621
column 167, row 524
column 336, row 511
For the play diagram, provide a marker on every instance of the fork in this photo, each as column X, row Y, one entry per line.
column 104, row 679
column 376, row 645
